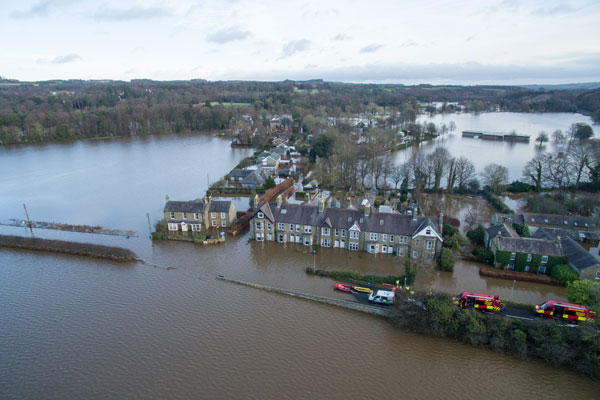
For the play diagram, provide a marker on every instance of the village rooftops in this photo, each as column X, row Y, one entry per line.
column 577, row 256
column 502, row 230
column 534, row 219
column 219, row 206
column 193, row 206
column 529, row 246
column 346, row 218
column 579, row 236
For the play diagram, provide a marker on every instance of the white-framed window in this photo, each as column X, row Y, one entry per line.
column 528, row 257
column 291, row 227
column 196, row 227
column 259, row 225
column 281, row 226
column 184, row 216
column 222, row 215
column 541, row 270
column 430, row 245
column 354, row 234
column 214, row 222
column 353, row 246
column 513, row 256
column 270, row 237
column 269, row 226
column 308, row 229
column 172, row 215
column 298, row 228
column 428, row 231
column 259, row 237
column 325, row 242
column 343, row 245
column 391, row 238
column 384, row 248
column 401, row 251
column 403, row 239
column 223, row 223
column 598, row 276
column 343, row 233
column 510, row 267
column 415, row 254
column 527, row 268
column 325, row 231
column 260, row 215
column 213, row 215
column 384, row 238
column 173, row 226
column 390, row 249
column 373, row 236
column 336, row 232
column 544, row 259
column 196, row 216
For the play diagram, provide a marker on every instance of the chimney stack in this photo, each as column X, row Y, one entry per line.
column 167, row 198
column 441, row 221
column 321, row 205
column 367, row 209
column 256, row 200
column 414, row 213
column 278, row 201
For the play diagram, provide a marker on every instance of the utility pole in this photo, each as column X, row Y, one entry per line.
column 28, row 220
column 149, row 225
column 512, row 290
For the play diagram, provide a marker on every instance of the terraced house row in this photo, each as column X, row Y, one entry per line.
column 348, row 228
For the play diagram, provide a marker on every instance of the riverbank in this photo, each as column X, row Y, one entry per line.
column 74, row 248
column 518, row 276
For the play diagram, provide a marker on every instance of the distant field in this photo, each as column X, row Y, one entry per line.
column 312, row 91
column 216, row 103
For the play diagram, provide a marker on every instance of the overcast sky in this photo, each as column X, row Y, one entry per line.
column 401, row 41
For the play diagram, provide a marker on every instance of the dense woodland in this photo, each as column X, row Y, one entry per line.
column 66, row 110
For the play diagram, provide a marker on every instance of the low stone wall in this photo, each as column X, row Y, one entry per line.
column 351, row 305
column 76, row 248
column 518, row 276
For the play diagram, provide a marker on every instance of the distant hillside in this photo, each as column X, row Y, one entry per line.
column 566, row 86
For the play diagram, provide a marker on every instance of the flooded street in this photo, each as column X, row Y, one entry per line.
column 73, row 327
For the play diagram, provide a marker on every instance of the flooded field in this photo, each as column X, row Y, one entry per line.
column 75, row 328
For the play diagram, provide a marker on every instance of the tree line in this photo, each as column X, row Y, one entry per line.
column 65, row 110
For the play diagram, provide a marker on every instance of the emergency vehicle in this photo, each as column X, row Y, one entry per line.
column 565, row 311
column 382, row 297
column 478, row 301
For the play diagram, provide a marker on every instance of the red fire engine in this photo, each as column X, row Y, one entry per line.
column 478, row 301
column 558, row 309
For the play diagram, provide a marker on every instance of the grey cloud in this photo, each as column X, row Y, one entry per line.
column 295, row 46
column 371, row 48
column 40, row 9
column 130, row 13
column 552, row 11
column 228, row 35
column 341, row 36
column 65, row 59
column 582, row 69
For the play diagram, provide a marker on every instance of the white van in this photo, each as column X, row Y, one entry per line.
column 382, row 297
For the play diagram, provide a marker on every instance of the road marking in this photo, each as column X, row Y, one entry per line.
column 515, row 316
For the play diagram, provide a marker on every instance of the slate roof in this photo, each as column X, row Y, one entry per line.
column 219, row 206
column 577, row 256
column 344, row 218
column 193, row 206
column 578, row 236
column 256, row 177
column 503, row 229
column 567, row 221
column 529, row 246
column 240, row 173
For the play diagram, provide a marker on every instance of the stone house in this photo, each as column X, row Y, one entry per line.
column 503, row 230
column 576, row 222
column 374, row 232
column 196, row 216
column 526, row 254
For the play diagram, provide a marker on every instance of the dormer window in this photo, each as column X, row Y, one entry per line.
column 349, row 219
column 284, row 211
column 361, row 221
column 532, row 219
column 566, row 222
column 575, row 223
column 428, row 231
column 380, row 222
column 545, row 220
column 260, row 215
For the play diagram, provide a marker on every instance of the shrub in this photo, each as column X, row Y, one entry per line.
column 497, row 203
column 477, row 235
column 485, row 254
column 447, row 260
column 520, row 187
column 449, row 230
column 584, row 292
column 564, row 274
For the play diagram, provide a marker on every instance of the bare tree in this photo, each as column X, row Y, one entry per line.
column 558, row 137
column 452, row 126
column 495, row 176
column 364, row 168
column 580, row 153
column 533, row 171
column 465, row 172
column 396, row 174
column 418, row 168
column 542, row 138
column 438, row 161
column 557, row 168
column 451, row 175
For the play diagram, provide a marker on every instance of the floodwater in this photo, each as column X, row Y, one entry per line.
column 512, row 155
column 73, row 327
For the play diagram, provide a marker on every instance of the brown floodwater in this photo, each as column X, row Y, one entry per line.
column 73, row 327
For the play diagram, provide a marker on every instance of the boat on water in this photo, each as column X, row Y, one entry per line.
column 363, row 289
column 343, row 287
